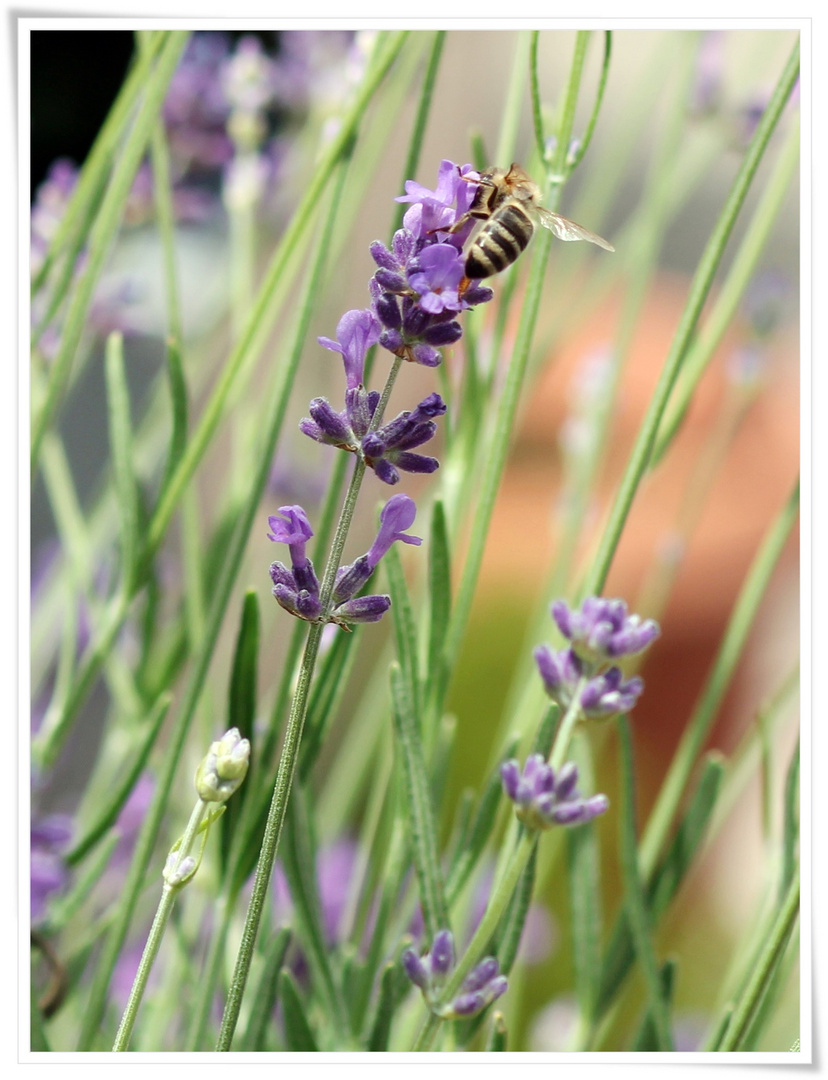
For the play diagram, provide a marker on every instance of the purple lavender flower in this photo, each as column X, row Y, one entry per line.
column 480, row 987
column 433, row 211
column 602, row 695
column 436, row 276
column 356, row 332
column 389, row 448
column 48, row 873
column 420, row 285
column 602, row 630
column 297, row 589
column 543, row 799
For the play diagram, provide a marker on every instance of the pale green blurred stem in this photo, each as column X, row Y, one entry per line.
column 733, row 288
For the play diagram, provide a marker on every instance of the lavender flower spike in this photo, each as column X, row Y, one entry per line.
column 602, row 630
column 480, row 987
column 543, row 799
column 603, row 694
column 297, row 589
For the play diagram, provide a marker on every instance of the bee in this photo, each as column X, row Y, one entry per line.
column 508, row 201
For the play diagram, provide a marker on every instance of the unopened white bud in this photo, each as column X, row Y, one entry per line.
column 224, row 768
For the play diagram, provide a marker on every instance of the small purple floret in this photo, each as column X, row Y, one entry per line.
column 543, row 799
column 480, row 988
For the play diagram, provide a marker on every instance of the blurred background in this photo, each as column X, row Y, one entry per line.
column 701, row 515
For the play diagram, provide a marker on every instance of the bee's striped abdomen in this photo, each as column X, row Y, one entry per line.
column 499, row 242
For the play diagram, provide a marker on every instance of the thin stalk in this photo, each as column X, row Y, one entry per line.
column 290, row 750
column 159, row 923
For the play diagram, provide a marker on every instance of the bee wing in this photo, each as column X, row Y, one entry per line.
column 565, row 229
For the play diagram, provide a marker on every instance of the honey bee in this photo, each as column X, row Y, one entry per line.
column 508, row 201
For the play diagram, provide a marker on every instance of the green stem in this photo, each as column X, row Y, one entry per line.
column 290, row 750
column 771, row 952
column 567, row 727
column 156, row 933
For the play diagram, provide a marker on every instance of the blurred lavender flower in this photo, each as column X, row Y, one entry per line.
column 706, row 92
column 49, row 839
column 195, row 109
column 602, row 695
column 599, row 632
column 543, row 799
column 765, row 302
column 480, row 988
column 602, row 630
column 297, row 590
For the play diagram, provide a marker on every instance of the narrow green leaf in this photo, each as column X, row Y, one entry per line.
column 635, row 901
column 299, row 864
column 405, row 631
column 704, row 713
column 242, row 697
column 762, row 968
column 583, row 858
column 714, row 1041
column 639, row 459
column 790, row 824
column 263, row 999
column 298, row 1033
column 776, row 984
column 481, row 830
column 646, row 1040
column 596, row 109
column 383, row 1018
column 85, row 198
column 421, row 815
column 123, row 467
column 497, row 1034
column 108, row 814
column 241, row 704
column 666, row 879
column 38, row 1043
column 507, row 938
column 439, row 599
column 179, row 400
